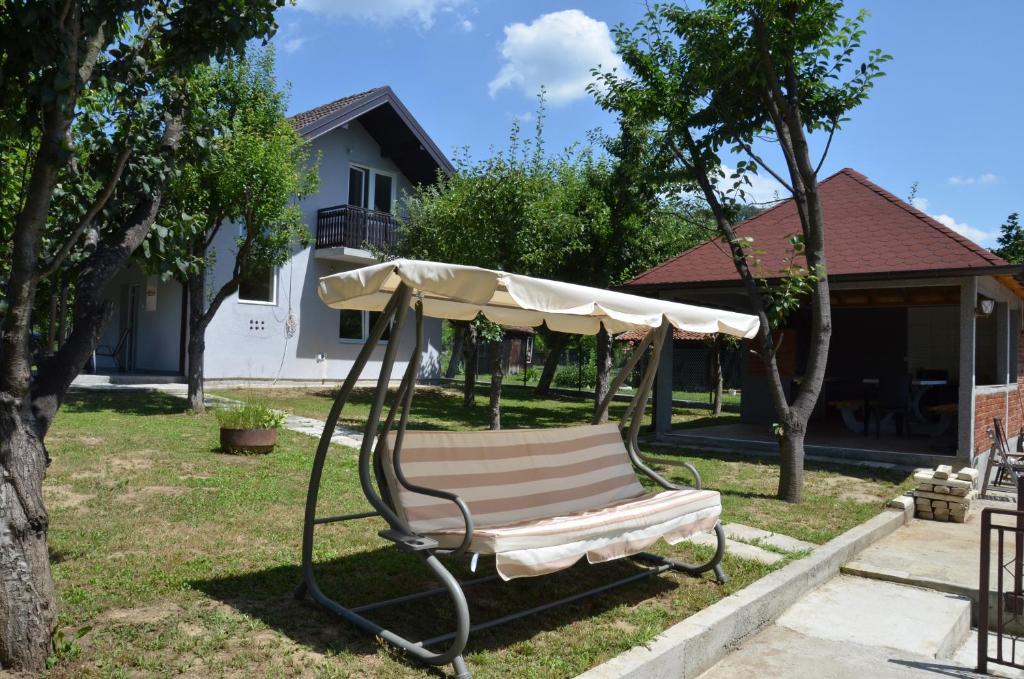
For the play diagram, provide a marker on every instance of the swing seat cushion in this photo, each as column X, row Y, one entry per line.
column 541, row 499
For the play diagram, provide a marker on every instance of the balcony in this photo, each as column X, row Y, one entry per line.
column 346, row 228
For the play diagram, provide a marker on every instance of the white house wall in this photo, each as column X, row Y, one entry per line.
column 250, row 341
column 157, row 340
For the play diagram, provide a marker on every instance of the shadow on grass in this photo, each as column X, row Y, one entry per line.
column 386, row 573
column 857, row 471
column 132, row 402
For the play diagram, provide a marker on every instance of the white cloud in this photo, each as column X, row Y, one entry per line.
column 466, row 25
column 962, row 228
column 293, row 45
column 524, row 117
column 987, row 178
column 556, row 51
column 382, row 12
column 762, row 189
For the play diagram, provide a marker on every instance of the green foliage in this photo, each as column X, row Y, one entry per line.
column 565, row 217
column 571, row 377
column 699, row 80
column 1011, row 240
column 66, row 648
column 250, row 415
column 244, row 163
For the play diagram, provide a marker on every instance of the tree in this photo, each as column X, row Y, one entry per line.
column 1011, row 240
column 719, row 79
column 242, row 164
column 91, row 93
column 484, row 215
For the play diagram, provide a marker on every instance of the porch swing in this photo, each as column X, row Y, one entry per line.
column 538, row 500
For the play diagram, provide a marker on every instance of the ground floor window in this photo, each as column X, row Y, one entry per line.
column 259, row 287
column 355, row 326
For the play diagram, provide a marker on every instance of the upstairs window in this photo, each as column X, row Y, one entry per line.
column 370, row 189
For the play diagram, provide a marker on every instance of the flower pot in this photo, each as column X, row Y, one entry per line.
column 247, row 440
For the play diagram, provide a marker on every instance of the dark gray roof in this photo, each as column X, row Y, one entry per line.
column 306, row 118
column 388, row 121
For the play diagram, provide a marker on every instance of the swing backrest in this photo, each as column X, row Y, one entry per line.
column 510, row 476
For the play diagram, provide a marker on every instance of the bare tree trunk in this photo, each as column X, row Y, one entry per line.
column 716, row 377
column 456, row 358
column 196, row 343
column 791, row 471
column 469, row 358
column 28, row 608
column 497, row 374
column 556, row 343
column 603, row 362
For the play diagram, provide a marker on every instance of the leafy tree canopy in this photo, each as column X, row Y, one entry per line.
column 1011, row 240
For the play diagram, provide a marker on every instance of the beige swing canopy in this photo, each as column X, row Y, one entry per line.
column 459, row 293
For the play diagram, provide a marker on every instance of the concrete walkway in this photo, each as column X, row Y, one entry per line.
column 904, row 607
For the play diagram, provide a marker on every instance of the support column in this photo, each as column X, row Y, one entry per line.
column 1002, row 343
column 968, row 302
column 663, row 389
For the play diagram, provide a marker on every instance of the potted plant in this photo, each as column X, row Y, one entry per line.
column 249, row 427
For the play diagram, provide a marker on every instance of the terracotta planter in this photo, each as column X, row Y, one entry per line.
column 247, row 440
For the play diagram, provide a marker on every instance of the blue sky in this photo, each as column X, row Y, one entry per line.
column 946, row 116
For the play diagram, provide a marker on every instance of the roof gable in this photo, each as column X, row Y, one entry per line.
column 868, row 231
column 388, row 121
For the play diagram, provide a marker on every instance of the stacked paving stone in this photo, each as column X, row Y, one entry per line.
column 944, row 495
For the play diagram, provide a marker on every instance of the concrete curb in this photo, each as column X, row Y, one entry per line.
column 695, row 644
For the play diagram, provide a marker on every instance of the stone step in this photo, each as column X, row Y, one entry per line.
column 739, row 549
column 780, row 653
column 876, row 613
column 742, row 533
column 967, row 656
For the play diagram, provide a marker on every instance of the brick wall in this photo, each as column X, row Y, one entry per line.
column 1005, row 405
column 987, row 406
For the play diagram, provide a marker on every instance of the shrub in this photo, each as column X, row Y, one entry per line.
column 249, row 415
column 568, row 377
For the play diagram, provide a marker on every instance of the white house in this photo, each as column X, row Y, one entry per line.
column 371, row 152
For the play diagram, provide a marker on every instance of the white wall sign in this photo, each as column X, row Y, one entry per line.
column 151, row 293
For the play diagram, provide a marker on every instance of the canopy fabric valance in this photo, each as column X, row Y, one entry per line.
column 458, row 292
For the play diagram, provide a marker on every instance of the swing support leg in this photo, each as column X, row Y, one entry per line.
column 395, row 312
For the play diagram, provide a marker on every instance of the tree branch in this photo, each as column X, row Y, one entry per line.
column 700, row 172
column 97, row 205
column 828, row 145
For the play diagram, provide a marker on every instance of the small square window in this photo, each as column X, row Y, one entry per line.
column 259, row 286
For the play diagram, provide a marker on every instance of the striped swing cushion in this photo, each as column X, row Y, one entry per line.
column 541, row 498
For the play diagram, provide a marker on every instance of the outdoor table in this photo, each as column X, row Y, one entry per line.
column 848, row 409
column 918, row 388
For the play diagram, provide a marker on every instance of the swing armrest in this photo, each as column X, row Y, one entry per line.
column 407, row 542
column 467, row 517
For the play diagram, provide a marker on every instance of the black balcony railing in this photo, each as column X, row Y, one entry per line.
column 354, row 227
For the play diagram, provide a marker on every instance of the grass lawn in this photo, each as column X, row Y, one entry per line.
column 182, row 560
column 441, row 408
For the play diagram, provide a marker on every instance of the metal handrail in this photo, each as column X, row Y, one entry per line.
column 1016, row 595
column 354, row 227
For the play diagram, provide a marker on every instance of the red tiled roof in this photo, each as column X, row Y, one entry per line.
column 300, row 120
column 634, row 336
column 867, row 231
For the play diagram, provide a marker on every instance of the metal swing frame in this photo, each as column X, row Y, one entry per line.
column 427, row 549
